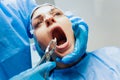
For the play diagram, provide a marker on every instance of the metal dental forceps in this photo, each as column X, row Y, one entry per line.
column 48, row 52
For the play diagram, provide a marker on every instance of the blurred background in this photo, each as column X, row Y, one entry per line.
column 102, row 17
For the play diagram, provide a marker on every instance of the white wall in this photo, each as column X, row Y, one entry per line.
column 102, row 16
column 45, row 1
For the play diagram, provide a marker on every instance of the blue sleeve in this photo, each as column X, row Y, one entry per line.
column 19, row 10
column 15, row 54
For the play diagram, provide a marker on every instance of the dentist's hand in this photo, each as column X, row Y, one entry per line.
column 80, row 29
column 37, row 73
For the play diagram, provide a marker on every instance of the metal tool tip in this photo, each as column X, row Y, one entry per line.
column 55, row 40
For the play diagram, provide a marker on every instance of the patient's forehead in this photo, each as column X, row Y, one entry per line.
column 43, row 10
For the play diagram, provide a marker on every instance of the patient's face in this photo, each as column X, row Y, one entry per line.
column 49, row 23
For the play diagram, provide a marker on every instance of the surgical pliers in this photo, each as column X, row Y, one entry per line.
column 48, row 52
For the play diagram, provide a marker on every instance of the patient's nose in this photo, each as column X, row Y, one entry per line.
column 49, row 21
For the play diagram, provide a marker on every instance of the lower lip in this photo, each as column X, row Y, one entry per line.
column 62, row 48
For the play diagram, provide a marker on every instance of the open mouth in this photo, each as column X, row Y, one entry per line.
column 59, row 35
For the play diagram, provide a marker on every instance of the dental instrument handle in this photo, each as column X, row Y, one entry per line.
column 48, row 52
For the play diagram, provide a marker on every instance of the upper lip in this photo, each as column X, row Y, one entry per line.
column 54, row 27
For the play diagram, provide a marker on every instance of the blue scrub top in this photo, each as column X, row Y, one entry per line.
column 14, row 36
column 101, row 64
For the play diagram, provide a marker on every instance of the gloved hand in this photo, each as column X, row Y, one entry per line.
column 80, row 29
column 37, row 73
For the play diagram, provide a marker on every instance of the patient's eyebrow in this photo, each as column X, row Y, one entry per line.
column 38, row 16
column 52, row 10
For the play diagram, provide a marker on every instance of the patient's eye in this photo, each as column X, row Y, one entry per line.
column 57, row 14
column 38, row 22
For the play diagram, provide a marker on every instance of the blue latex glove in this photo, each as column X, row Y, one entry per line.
column 80, row 29
column 36, row 73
